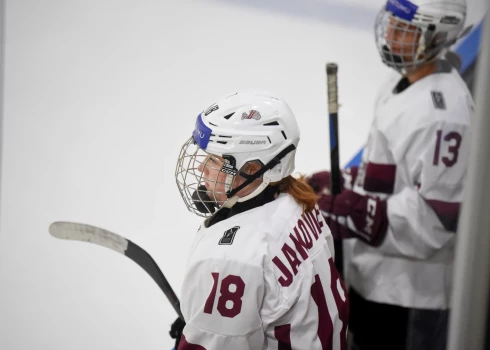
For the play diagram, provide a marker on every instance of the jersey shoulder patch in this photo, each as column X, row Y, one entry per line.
column 438, row 100
column 229, row 236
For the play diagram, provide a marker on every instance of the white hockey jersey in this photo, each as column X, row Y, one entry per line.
column 416, row 157
column 264, row 279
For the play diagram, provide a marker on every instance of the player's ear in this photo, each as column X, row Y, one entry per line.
column 252, row 167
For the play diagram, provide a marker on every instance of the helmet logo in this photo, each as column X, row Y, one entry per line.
column 253, row 114
column 228, row 169
column 450, row 20
column 253, row 142
column 403, row 9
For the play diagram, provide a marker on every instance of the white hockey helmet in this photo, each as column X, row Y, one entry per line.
column 434, row 25
column 242, row 128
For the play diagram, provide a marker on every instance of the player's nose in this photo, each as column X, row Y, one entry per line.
column 200, row 168
column 203, row 167
column 390, row 32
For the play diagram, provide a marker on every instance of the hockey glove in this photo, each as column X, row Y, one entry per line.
column 176, row 331
column 320, row 181
column 351, row 215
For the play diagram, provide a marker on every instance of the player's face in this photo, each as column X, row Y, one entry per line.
column 403, row 39
column 214, row 178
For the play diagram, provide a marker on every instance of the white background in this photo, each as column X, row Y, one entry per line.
column 99, row 98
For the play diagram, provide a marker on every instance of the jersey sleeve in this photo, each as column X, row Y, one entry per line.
column 221, row 300
column 423, row 216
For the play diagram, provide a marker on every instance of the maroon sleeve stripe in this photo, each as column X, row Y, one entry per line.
column 447, row 212
column 380, row 178
column 184, row 345
column 283, row 336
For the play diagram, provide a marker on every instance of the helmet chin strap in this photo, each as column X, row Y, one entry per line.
column 232, row 193
column 230, row 202
column 235, row 199
column 256, row 192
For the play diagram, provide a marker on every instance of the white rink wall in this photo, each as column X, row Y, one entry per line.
column 98, row 98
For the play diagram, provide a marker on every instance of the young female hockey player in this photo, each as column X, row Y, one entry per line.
column 403, row 206
column 260, row 274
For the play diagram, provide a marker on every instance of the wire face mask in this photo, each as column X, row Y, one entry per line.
column 409, row 35
column 203, row 179
column 402, row 46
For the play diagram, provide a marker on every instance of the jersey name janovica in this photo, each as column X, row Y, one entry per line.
column 264, row 279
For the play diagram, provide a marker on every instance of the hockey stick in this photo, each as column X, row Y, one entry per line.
column 91, row 234
column 335, row 175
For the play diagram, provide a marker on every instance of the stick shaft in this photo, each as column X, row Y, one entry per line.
column 335, row 174
column 332, row 93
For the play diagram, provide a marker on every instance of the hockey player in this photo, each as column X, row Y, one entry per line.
column 260, row 273
column 404, row 203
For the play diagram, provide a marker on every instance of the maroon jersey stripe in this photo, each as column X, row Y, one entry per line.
column 283, row 336
column 325, row 326
column 342, row 306
column 447, row 212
